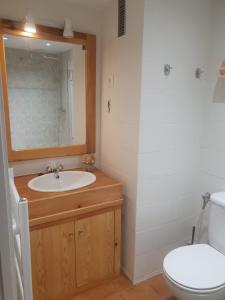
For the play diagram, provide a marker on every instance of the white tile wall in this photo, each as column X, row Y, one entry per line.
column 34, row 88
column 161, row 202
column 39, row 165
column 212, row 168
column 170, row 128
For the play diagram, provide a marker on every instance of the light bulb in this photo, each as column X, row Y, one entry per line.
column 29, row 25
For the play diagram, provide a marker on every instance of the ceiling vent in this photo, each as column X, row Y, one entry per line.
column 121, row 17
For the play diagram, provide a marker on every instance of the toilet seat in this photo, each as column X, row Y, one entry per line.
column 196, row 268
column 194, row 291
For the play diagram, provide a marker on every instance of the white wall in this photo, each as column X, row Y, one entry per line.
column 53, row 12
column 175, row 32
column 151, row 138
column 119, row 128
column 213, row 141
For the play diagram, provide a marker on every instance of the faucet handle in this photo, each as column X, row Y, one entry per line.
column 60, row 167
column 206, row 198
column 54, row 167
column 48, row 169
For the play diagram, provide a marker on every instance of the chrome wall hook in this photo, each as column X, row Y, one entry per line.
column 198, row 73
column 167, row 69
column 109, row 105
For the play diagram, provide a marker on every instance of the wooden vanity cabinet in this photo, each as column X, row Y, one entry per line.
column 75, row 236
column 73, row 255
column 53, row 261
column 95, row 241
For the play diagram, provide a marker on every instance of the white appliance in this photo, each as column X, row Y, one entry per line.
column 21, row 235
column 15, row 267
column 8, row 286
column 198, row 271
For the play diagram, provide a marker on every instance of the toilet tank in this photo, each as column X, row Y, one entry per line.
column 216, row 230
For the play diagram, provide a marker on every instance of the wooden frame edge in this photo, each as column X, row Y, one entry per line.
column 117, row 229
column 5, row 96
column 43, row 32
column 55, row 219
column 54, row 34
column 91, row 93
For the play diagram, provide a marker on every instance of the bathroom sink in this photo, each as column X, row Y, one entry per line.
column 67, row 181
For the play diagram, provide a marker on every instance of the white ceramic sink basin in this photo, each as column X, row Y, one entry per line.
column 68, row 180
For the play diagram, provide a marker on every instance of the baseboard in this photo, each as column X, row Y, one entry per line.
column 127, row 274
column 146, row 277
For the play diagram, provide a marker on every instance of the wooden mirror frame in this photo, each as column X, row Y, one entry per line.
column 53, row 34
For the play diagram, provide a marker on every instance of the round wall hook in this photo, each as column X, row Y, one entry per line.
column 198, row 73
column 167, row 69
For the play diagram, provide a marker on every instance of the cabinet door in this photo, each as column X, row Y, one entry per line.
column 94, row 248
column 53, row 262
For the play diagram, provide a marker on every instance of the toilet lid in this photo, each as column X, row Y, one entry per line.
column 196, row 267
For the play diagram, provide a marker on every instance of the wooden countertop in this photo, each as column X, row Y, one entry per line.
column 44, row 207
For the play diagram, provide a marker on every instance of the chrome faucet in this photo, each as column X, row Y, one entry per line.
column 206, row 198
column 55, row 169
column 56, row 173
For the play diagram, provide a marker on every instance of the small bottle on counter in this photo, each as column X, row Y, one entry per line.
column 88, row 162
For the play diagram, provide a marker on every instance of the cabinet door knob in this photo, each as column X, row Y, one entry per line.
column 80, row 233
column 71, row 235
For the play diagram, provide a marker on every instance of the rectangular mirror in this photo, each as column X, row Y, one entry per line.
column 49, row 86
column 46, row 92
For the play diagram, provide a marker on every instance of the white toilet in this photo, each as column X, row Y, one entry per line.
column 198, row 271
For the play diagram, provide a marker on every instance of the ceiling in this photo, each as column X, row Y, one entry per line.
column 92, row 3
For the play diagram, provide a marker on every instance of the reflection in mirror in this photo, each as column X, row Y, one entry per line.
column 46, row 90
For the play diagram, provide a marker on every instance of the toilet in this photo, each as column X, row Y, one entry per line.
column 198, row 271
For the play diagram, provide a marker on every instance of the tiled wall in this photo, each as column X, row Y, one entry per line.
column 176, row 33
column 73, row 92
column 34, row 87
column 159, row 164
column 213, row 138
column 119, row 128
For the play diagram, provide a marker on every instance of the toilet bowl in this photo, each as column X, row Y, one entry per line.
column 198, row 271
column 195, row 272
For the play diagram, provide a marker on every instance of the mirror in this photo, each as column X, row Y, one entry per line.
column 46, row 92
column 49, row 91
